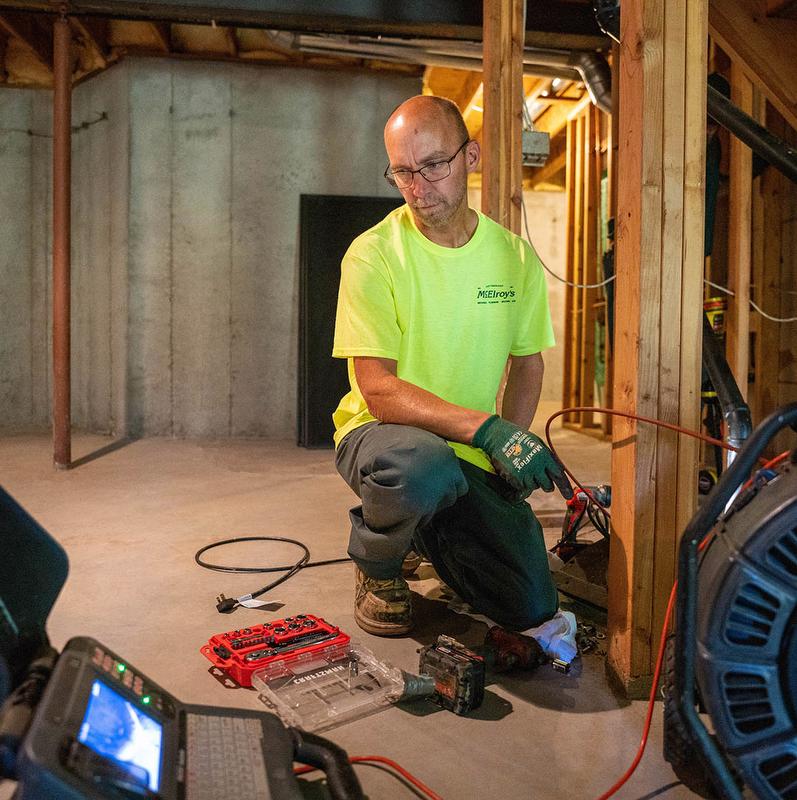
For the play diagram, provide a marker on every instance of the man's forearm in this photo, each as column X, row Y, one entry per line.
column 404, row 403
column 523, row 388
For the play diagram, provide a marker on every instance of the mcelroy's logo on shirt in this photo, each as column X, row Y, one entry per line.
column 496, row 293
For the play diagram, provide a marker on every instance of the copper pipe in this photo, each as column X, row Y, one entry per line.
column 62, row 144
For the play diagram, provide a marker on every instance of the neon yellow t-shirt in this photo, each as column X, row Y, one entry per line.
column 449, row 317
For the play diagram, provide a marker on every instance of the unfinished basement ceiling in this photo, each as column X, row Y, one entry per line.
column 239, row 30
column 105, row 31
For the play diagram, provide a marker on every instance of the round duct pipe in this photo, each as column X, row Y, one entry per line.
column 589, row 67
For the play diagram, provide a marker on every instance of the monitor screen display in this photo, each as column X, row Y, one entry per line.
column 118, row 730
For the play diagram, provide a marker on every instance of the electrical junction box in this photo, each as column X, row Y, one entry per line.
column 536, row 147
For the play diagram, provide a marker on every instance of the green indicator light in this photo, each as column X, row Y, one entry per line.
column 146, row 699
column 120, row 667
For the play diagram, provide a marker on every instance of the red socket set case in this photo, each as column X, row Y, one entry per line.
column 240, row 653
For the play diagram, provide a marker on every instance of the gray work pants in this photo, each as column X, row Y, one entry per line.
column 417, row 494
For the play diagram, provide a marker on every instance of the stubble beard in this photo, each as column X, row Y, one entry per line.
column 441, row 213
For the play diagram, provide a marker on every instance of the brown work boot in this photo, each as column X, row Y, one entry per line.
column 411, row 563
column 382, row 606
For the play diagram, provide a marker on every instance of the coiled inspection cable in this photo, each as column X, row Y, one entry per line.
column 225, row 605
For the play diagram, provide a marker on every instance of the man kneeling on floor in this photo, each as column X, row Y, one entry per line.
column 433, row 301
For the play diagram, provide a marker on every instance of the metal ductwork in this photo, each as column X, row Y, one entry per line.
column 773, row 150
column 574, row 65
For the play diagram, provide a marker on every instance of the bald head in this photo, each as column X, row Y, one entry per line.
column 428, row 111
column 428, row 145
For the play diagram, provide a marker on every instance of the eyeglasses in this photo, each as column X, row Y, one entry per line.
column 434, row 171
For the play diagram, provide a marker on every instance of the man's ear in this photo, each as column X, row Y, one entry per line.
column 473, row 154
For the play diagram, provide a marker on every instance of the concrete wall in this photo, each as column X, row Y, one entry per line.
column 24, row 258
column 185, row 239
column 100, row 183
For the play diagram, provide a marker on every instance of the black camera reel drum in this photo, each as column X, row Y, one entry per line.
column 734, row 653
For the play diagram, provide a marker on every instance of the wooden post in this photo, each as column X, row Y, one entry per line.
column 661, row 176
column 502, row 168
column 572, row 178
column 589, row 254
column 757, row 275
column 740, row 221
column 775, row 191
column 576, row 273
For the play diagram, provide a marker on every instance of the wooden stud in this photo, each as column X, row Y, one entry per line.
column 576, row 269
column 737, row 325
column 661, row 162
column 614, row 141
column 589, row 252
column 502, row 169
column 570, row 254
column 759, row 45
column 774, row 190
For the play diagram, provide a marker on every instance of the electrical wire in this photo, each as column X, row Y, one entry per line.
column 769, row 465
column 303, row 562
column 651, row 702
column 671, row 601
column 550, row 271
column 613, row 412
column 752, row 303
column 612, row 277
column 408, row 776
column 668, row 614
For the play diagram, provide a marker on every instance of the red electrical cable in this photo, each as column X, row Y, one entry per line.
column 704, row 543
column 612, row 412
column 773, row 462
column 418, row 784
column 656, row 678
column 659, row 658
column 651, row 702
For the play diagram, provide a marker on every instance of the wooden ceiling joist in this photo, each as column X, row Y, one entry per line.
column 232, row 41
column 759, row 45
column 162, row 32
column 32, row 32
column 91, row 34
column 782, row 8
column 473, row 111
column 3, row 46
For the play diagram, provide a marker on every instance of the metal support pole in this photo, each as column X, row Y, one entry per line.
column 62, row 143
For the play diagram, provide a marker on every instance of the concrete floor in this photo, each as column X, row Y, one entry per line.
column 131, row 518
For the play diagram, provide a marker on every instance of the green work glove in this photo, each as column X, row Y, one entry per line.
column 521, row 458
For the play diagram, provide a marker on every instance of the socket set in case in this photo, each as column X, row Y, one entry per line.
column 242, row 652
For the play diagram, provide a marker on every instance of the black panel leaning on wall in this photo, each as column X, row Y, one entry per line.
column 328, row 223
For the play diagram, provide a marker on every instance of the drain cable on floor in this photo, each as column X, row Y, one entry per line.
column 226, row 605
